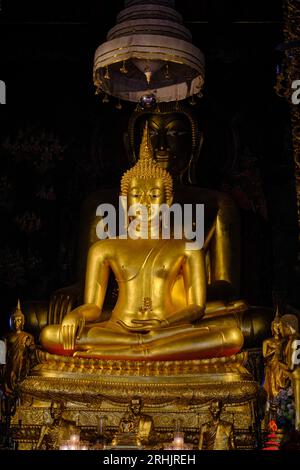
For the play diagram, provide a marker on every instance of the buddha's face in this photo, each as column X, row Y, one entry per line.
column 148, row 192
column 215, row 409
column 18, row 323
column 277, row 328
column 135, row 408
column 171, row 140
column 56, row 412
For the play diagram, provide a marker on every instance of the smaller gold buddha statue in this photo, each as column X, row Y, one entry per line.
column 275, row 368
column 19, row 348
column 161, row 283
column 53, row 435
column 216, row 434
column 135, row 428
column 291, row 359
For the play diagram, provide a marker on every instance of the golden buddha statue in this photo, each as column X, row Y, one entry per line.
column 275, row 368
column 53, row 435
column 20, row 346
column 217, row 434
column 176, row 141
column 135, row 427
column 162, row 289
column 176, row 137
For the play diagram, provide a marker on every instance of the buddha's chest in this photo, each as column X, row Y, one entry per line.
column 148, row 263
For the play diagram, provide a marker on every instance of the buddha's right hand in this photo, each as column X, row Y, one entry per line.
column 71, row 329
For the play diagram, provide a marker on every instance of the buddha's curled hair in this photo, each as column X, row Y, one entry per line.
column 146, row 167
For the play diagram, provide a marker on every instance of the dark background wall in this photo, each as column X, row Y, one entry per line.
column 59, row 142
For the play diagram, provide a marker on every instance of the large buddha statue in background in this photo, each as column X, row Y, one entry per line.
column 162, row 289
column 177, row 143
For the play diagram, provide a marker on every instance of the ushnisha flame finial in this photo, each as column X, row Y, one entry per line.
column 146, row 167
column 277, row 315
column 146, row 149
column 17, row 313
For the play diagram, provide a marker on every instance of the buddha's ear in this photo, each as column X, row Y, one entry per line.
column 170, row 200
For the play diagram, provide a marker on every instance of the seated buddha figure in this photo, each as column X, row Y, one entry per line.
column 161, row 288
column 177, row 143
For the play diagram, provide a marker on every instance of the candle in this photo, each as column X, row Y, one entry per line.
column 178, row 441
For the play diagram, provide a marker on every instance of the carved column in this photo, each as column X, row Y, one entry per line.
column 288, row 76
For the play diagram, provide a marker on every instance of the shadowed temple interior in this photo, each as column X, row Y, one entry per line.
column 114, row 342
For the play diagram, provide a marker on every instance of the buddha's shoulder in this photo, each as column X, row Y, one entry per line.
column 102, row 246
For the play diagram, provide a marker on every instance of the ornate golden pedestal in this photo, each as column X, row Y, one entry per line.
column 169, row 390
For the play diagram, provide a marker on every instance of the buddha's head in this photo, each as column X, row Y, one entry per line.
column 146, row 183
column 136, row 406
column 174, row 136
column 277, row 328
column 215, row 409
column 17, row 319
column 56, row 411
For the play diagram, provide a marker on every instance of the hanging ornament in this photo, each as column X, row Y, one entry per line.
column 123, row 69
column 148, row 74
column 107, row 76
column 167, row 75
column 192, row 101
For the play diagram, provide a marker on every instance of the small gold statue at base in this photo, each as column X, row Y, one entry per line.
column 135, row 429
column 280, row 367
column 216, row 434
column 53, row 435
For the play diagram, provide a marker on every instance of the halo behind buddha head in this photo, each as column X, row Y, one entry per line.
column 146, row 167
